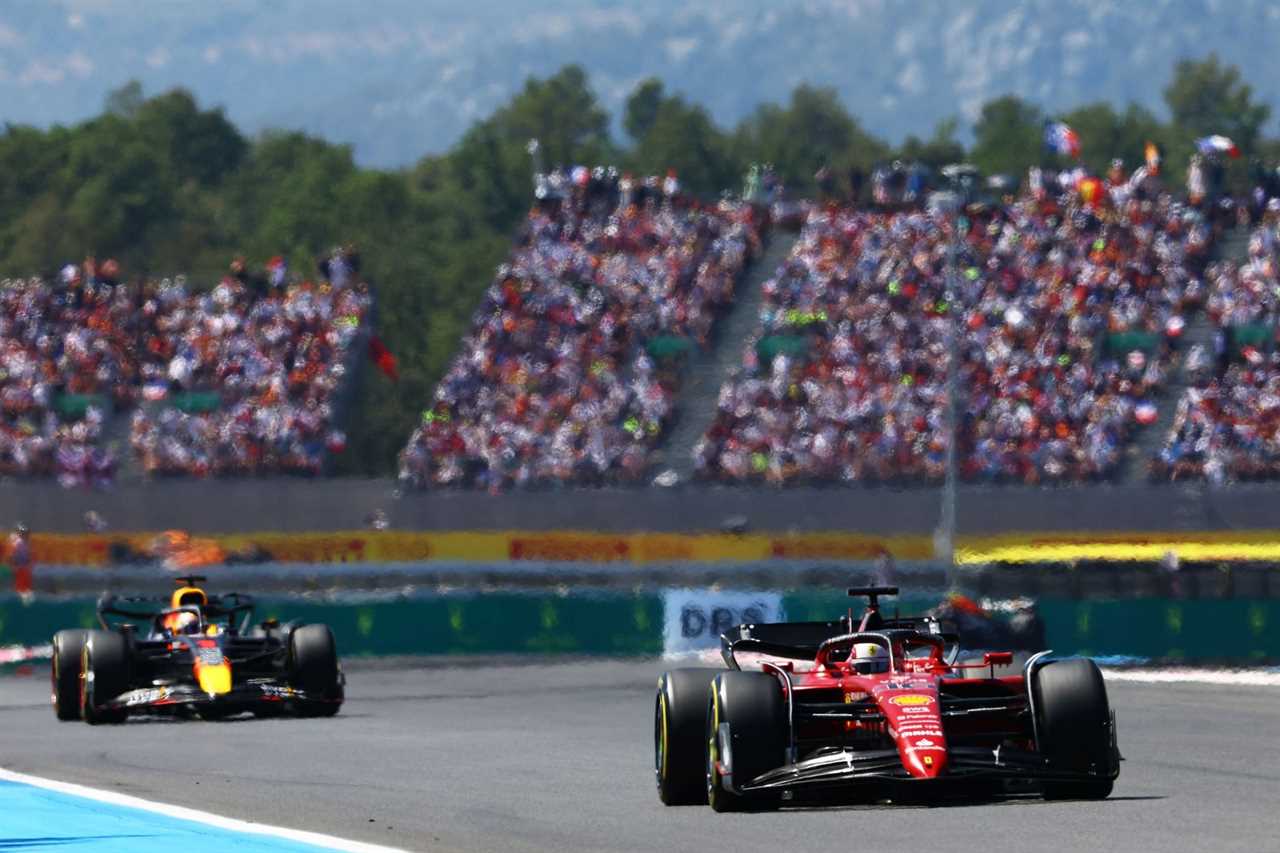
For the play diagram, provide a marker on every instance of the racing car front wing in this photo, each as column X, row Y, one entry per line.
column 842, row 767
column 249, row 694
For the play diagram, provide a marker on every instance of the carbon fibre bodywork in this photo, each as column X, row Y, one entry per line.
column 923, row 721
column 218, row 664
column 164, row 678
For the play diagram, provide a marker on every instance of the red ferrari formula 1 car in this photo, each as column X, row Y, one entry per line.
column 193, row 654
column 881, row 711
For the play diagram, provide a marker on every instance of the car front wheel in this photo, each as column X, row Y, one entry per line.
column 746, row 736
column 1074, row 725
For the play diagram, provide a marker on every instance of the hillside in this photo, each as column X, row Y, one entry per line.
column 402, row 78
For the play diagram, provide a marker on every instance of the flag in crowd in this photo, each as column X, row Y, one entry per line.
column 1146, row 413
column 383, row 359
column 1060, row 138
column 1217, row 144
column 1151, row 154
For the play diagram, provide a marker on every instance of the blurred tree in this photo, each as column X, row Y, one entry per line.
column 672, row 134
column 117, row 186
column 812, row 131
column 938, row 150
column 288, row 192
column 32, row 164
column 1207, row 97
column 124, row 101
column 200, row 145
column 642, row 108
column 492, row 159
column 1009, row 136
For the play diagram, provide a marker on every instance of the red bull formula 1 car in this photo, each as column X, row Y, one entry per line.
column 883, row 710
column 194, row 654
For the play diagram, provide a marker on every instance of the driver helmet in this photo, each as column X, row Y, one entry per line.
column 189, row 595
column 869, row 658
column 186, row 622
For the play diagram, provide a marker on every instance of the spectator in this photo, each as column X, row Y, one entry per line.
column 64, row 363
column 267, row 366
column 554, row 383
column 257, row 374
column 1227, row 425
column 846, row 379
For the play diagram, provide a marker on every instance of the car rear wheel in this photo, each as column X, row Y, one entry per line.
column 68, row 646
column 746, row 736
column 104, row 675
column 314, row 670
column 1073, row 720
column 679, row 726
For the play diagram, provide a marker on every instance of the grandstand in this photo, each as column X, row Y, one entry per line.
column 242, row 379
column 1068, row 319
column 1226, row 423
column 575, row 356
column 1068, row 311
column 66, row 366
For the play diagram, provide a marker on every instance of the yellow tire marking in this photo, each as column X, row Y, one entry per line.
column 666, row 746
column 713, row 745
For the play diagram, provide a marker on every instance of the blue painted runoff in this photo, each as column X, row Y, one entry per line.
column 36, row 819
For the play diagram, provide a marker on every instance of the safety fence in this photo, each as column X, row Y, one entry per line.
column 649, row 623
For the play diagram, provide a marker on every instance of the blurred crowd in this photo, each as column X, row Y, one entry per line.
column 236, row 380
column 1061, row 311
column 1227, row 424
column 560, row 378
column 1065, row 308
column 63, row 336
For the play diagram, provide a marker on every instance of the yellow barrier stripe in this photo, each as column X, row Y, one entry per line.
column 365, row 546
column 1121, row 552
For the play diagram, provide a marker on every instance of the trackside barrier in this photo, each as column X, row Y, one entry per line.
column 361, row 546
column 1229, row 546
column 614, row 623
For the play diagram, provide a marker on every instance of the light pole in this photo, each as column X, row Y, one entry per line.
column 535, row 152
column 944, row 537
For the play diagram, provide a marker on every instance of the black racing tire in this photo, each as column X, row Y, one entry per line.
column 679, row 731
column 68, row 648
column 313, row 669
column 1073, row 720
column 747, row 714
column 104, row 667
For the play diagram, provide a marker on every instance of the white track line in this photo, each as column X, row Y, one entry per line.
column 182, row 813
column 18, row 654
column 1233, row 677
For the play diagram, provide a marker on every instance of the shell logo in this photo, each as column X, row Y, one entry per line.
column 911, row 700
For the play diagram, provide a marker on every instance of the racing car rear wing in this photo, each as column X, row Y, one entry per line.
column 807, row 640
column 226, row 606
column 799, row 640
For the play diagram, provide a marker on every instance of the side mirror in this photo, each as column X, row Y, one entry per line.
column 997, row 658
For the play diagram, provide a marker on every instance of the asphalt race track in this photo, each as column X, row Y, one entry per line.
column 477, row 756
